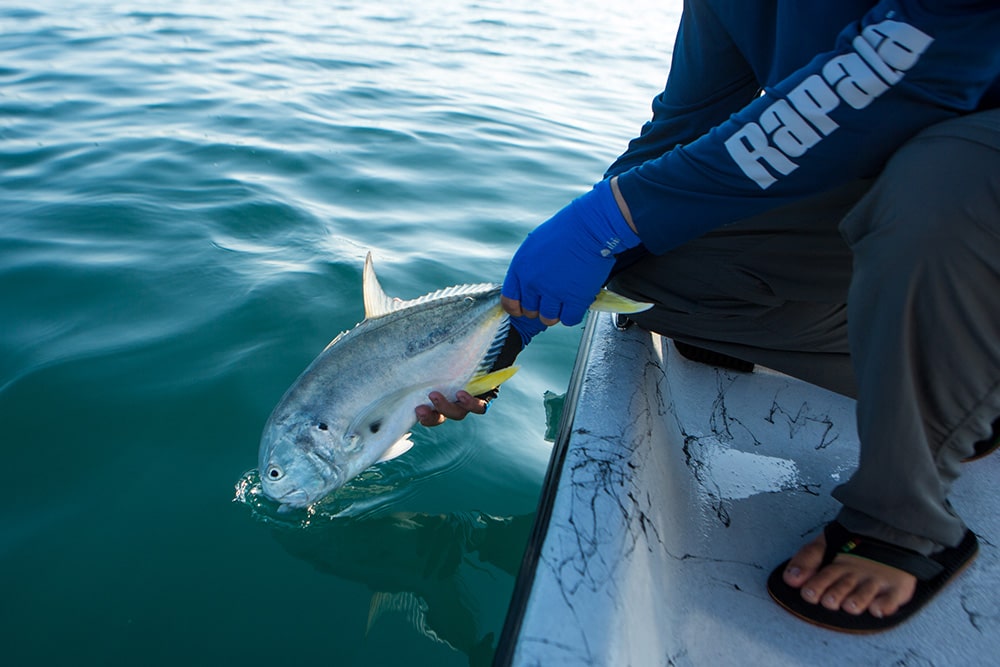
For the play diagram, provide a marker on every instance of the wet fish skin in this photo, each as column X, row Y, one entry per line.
column 357, row 398
column 354, row 404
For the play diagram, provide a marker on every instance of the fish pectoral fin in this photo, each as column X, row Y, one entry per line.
column 610, row 302
column 484, row 383
column 397, row 448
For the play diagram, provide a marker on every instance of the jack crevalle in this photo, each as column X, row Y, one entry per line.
column 354, row 404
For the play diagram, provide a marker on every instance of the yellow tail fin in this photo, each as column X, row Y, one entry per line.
column 609, row 302
column 483, row 383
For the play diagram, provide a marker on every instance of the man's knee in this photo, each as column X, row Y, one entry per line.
column 936, row 194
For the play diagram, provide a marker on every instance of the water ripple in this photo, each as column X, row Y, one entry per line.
column 188, row 193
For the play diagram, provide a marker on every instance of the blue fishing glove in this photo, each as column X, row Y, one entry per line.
column 563, row 264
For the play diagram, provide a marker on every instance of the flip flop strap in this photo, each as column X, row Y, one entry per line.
column 840, row 540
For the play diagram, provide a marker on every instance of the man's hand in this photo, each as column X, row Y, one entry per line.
column 563, row 264
column 444, row 409
column 520, row 334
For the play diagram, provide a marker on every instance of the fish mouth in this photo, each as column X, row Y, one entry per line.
column 294, row 499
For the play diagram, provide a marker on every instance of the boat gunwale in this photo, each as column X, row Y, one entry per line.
column 524, row 582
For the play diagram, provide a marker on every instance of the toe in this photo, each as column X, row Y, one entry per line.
column 888, row 602
column 857, row 585
column 849, row 583
column 838, row 591
column 860, row 599
column 804, row 564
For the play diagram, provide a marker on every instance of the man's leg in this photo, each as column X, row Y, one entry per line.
column 747, row 293
column 771, row 290
column 924, row 329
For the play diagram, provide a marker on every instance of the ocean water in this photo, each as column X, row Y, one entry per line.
column 187, row 194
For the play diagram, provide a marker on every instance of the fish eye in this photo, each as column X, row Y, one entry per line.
column 274, row 473
column 322, row 426
column 375, row 426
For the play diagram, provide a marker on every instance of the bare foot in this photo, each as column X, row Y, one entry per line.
column 850, row 583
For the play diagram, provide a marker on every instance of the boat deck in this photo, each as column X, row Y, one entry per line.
column 673, row 491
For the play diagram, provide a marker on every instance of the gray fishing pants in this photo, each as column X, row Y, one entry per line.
column 887, row 291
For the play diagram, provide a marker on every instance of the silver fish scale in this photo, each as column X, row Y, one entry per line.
column 357, row 398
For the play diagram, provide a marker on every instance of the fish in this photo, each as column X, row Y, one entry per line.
column 354, row 405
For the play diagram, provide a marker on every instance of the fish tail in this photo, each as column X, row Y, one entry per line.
column 480, row 384
column 610, row 302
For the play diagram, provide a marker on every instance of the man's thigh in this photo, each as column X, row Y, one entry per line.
column 778, row 280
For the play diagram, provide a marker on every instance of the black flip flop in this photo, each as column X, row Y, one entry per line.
column 932, row 573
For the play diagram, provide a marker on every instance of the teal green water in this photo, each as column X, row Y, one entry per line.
column 188, row 191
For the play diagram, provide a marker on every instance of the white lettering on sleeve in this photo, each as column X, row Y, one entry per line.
column 815, row 100
column 900, row 45
column 789, row 131
column 870, row 55
column 853, row 80
column 751, row 150
column 789, row 128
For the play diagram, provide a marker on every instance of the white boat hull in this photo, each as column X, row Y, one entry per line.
column 673, row 491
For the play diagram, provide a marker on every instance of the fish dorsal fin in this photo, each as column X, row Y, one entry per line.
column 471, row 289
column 378, row 303
column 339, row 336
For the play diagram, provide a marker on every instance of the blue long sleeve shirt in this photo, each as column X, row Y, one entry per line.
column 769, row 101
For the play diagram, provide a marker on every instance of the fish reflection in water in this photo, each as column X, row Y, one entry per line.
column 416, row 564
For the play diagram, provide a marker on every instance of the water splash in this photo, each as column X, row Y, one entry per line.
column 366, row 494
